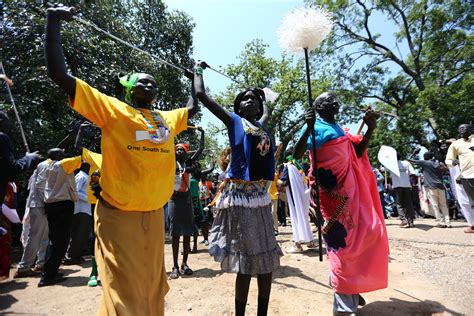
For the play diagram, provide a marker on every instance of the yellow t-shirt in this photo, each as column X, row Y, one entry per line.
column 95, row 161
column 136, row 175
column 273, row 191
column 69, row 165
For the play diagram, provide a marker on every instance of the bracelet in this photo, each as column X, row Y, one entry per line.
column 198, row 71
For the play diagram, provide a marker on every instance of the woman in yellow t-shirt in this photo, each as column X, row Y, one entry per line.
column 137, row 174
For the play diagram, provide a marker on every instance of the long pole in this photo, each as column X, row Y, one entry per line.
column 315, row 188
column 16, row 111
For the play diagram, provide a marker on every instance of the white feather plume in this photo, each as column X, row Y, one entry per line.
column 304, row 28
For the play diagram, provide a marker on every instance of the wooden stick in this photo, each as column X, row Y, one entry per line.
column 22, row 132
column 361, row 126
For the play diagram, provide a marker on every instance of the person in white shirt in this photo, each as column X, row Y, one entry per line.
column 402, row 187
column 36, row 238
column 81, row 227
column 461, row 152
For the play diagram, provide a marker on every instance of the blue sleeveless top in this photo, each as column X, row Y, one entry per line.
column 241, row 145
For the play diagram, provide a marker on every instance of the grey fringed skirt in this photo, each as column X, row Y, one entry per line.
column 242, row 238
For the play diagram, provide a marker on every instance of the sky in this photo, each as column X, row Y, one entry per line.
column 224, row 27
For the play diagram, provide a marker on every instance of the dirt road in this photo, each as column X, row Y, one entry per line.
column 431, row 273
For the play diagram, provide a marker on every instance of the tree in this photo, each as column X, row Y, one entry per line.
column 431, row 52
column 91, row 56
column 284, row 76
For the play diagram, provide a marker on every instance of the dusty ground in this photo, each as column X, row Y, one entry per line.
column 431, row 273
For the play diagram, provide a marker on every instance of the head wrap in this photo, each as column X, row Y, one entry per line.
column 184, row 146
column 129, row 82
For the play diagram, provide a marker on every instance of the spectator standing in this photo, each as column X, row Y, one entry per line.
column 461, row 152
column 403, row 192
column 81, row 227
column 59, row 197
column 36, row 240
column 380, row 187
column 433, row 183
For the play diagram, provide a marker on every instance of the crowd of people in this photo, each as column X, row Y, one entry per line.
column 117, row 205
column 440, row 187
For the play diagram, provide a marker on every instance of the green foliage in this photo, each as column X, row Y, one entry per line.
column 92, row 57
column 429, row 84
column 284, row 76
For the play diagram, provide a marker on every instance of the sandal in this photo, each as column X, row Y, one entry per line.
column 93, row 281
column 174, row 273
column 186, row 270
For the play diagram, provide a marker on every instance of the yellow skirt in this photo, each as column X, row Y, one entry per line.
column 129, row 252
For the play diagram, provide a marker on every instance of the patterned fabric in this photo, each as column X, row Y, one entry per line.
column 181, row 179
column 355, row 231
column 243, row 241
column 240, row 139
column 235, row 192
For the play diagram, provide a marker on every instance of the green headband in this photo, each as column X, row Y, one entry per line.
column 129, row 82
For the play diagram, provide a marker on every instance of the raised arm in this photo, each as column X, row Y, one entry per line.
column 300, row 147
column 198, row 152
column 215, row 108
column 55, row 61
column 267, row 113
column 207, row 171
column 78, row 143
column 370, row 119
column 193, row 103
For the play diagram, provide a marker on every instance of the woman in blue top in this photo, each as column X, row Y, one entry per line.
column 242, row 237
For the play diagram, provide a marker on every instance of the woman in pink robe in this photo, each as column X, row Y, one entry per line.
column 354, row 230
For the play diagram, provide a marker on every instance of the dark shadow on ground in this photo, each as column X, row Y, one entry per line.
column 397, row 307
column 12, row 285
column 7, row 300
column 74, row 281
column 314, row 252
column 423, row 227
column 205, row 273
column 67, row 271
column 287, row 271
column 283, row 240
column 199, row 250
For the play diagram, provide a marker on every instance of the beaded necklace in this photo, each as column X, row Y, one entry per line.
column 159, row 133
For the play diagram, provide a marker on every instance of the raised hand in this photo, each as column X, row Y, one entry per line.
column 35, row 158
column 310, row 118
column 370, row 119
column 61, row 12
column 85, row 124
column 7, row 80
column 202, row 64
